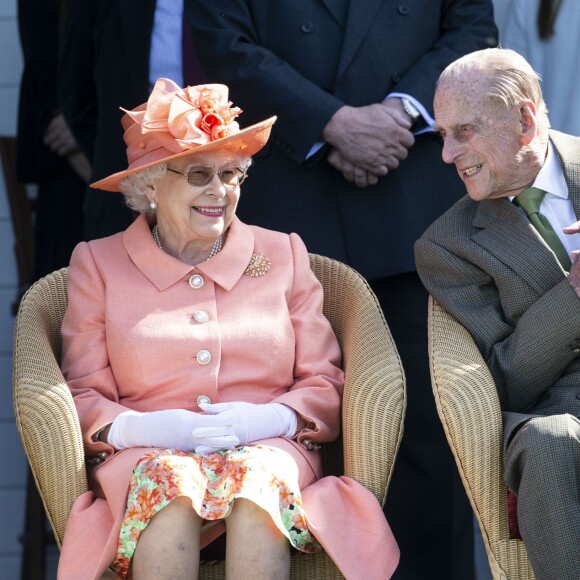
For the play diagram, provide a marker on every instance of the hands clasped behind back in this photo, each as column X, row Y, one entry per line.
column 226, row 426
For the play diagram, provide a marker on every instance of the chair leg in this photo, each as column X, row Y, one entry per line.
column 33, row 564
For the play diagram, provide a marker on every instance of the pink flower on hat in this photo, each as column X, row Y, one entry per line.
column 181, row 119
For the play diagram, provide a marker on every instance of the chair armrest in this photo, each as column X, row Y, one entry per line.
column 468, row 406
column 46, row 416
column 374, row 394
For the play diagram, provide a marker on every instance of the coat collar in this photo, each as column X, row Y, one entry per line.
column 164, row 270
column 505, row 232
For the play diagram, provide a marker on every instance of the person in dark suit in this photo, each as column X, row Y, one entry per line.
column 505, row 277
column 349, row 169
column 104, row 63
column 47, row 153
column 114, row 51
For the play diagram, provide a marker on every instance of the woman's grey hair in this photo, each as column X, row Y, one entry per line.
column 134, row 187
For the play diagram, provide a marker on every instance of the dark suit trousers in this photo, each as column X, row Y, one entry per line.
column 426, row 504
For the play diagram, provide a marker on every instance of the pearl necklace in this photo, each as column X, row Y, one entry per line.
column 216, row 248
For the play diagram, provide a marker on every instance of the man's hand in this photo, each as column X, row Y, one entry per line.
column 574, row 274
column 397, row 111
column 351, row 173
column 58, row 137
column 374, row 138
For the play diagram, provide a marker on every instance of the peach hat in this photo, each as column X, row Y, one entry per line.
column 177, row 122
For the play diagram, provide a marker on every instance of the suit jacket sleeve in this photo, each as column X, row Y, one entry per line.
column 317, row 391
column 85, row 360
column 76, row 84
column 525, row 356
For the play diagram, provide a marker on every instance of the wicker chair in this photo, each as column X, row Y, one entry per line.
column 469, row 409
column 373, row 407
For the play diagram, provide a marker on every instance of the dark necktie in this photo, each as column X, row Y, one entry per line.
column 530, row 199
column 192, row 72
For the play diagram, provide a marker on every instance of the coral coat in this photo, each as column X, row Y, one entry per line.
column 130, row 341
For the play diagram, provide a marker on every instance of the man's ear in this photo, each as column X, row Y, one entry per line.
column 528, row 121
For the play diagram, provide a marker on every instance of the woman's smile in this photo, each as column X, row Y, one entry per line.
column 209, row 211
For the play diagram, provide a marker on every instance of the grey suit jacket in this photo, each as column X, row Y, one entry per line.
column 487, row 266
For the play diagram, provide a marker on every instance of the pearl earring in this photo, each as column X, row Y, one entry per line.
column 153, row 204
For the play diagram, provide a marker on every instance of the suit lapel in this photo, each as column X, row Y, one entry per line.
column 357, row 25
column 507, row 234
column 338, row 8
column 136, row 28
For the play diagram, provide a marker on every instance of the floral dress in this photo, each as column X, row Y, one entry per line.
column 262, row 474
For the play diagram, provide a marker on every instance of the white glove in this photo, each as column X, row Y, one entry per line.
column 245, row 422
column 170, row 429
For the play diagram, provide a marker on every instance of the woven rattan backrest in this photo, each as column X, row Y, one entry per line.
column 45, row 414
column 374, row 396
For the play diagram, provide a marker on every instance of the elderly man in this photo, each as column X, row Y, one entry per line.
column 510, row 275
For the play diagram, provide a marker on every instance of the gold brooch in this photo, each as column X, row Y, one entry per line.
column 258, row 266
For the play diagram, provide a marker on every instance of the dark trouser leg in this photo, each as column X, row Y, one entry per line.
column 542, row 466
column 426, row 504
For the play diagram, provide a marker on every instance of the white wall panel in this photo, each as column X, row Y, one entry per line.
column 10, row 53
column 7, row 296
column 12, row 510
column 8, row 109
column 8, row 271
column 10, row 446
column 7, row 8
column 6, row 410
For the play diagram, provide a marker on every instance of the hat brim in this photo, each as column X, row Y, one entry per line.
column 247, row 142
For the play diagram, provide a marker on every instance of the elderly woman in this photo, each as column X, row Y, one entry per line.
column 203, row 370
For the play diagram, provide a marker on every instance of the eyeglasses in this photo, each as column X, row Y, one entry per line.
column 201, row 175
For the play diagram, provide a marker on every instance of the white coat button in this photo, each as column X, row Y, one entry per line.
column 203, row 399
column 196, row 281
column 200, row 316
column 203, row 357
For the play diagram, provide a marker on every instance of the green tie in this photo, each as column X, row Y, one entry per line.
column 530, row 199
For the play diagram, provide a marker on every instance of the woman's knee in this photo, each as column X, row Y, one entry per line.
column 178, row 518
column 247, row 510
